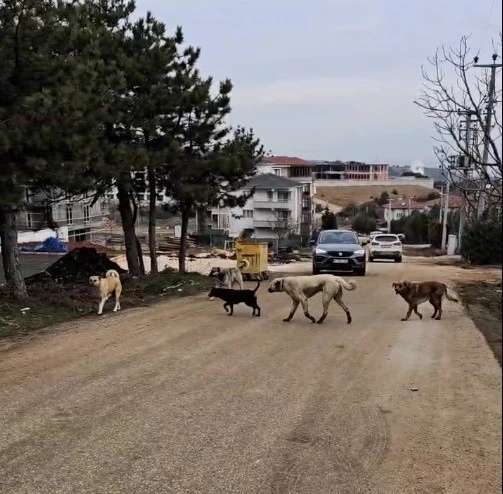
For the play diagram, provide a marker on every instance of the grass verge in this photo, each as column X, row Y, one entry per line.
column 51, row 303
column 483, row 303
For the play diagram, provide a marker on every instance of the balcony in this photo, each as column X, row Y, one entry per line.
column 272, row 204
column 272, row 223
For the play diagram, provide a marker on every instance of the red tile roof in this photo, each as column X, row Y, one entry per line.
column 405, row 204
column 454, row 202
column 286, row 160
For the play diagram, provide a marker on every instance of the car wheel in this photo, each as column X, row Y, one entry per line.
column 398, row 259
column 316, row 271
column 371, row 259
column 361, row 272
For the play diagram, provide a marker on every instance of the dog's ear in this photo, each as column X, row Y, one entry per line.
column 408, row 284
column 394, row 284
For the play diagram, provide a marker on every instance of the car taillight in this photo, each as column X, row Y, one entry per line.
column 375, row 243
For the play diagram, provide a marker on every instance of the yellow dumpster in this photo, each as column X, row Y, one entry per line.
column 256, row 254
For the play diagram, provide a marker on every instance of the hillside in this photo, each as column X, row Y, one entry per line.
column 342, row 196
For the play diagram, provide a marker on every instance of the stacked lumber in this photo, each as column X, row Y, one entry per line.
column 170, row 244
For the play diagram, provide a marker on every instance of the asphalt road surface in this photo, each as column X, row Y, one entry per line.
column 180, row 398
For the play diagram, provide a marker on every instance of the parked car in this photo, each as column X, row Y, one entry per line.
column 339, row 250
column 385, row 246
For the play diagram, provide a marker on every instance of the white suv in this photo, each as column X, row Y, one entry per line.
column 385, row 246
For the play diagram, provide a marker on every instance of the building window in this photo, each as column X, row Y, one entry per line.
column 277, row 171
column 248, row 213
column 269, row 195
column 283, row 196
column 69, row 214
column 284, row 214
column 87, row 214
column 29, row 219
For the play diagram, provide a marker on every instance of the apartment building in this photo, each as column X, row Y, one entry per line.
column 274, row 211
column 349, row 170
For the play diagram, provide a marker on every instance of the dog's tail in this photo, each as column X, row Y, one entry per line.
column 256, row 288
column 244, row 264
column 348, row 284
column 449, row 295
column 112, row 273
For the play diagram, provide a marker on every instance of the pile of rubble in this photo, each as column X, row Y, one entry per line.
column 76, row 267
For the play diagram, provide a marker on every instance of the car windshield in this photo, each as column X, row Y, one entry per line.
column 386, row 238
column 337, row 238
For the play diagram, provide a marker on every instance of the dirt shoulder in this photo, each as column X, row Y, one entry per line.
column 52, row 303
column 483, row 304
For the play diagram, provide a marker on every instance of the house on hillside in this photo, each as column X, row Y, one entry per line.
column 401, row 208
column 350, row 170
column 273, row 212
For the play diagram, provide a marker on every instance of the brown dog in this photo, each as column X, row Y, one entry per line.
column 417, row 293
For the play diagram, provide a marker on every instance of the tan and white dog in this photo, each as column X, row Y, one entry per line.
column 111, row 283
column 302, row 288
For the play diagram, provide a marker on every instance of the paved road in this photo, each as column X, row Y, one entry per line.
column 180, row 398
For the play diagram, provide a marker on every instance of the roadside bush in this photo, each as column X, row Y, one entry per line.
column 363, row 223
column 481, row 242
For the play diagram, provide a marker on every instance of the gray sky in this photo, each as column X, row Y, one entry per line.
column 330, row 79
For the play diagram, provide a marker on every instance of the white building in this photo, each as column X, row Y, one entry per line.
column 401, row 208
column 273, row 212
column 71, row 219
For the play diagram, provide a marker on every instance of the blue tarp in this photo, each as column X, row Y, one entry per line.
column 51, row 244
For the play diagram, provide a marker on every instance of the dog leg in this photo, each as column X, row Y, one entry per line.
column 326, row 303
column 409, row 312
column 258, row 310
column 338, row 299
column 439, row 310
column 295, row 304
column 232, row 309
column 117, row 305
column 417, row 313
column 226, row 307
column 305, row 308
column 102, row 303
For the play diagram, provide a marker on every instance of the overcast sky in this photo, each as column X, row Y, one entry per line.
column 330, row 79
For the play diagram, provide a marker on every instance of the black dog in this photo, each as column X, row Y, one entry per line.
column 234, row 297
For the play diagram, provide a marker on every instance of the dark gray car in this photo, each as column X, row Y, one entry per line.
column 339, row 251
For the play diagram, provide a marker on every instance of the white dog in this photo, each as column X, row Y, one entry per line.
column 301, row 288
column 111, row 283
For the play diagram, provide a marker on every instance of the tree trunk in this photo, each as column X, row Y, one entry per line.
column 152, row 220
column 183, row 241
column 128, row 227
column 10, row 254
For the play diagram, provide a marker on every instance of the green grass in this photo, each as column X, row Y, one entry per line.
column 53, row 304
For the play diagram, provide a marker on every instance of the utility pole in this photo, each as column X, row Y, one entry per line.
column 446, row 207
column 488, row 124
column 465, row 165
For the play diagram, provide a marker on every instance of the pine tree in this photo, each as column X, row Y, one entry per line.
column 48, row 109
column 206, row 166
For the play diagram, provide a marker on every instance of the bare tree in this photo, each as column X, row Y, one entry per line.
column 454, row 91
column 283, row 227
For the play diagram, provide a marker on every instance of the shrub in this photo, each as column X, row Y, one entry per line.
column 328, row 220
column 481, row 242
column 363, row 223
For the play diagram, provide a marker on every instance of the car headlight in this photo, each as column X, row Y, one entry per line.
column 360, row 252
column 320, row 251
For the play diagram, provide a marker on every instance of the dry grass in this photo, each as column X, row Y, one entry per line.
column 343, row 196
column 50, row 304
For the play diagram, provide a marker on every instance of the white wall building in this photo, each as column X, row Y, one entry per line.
column 274, row 210
column 70, row 219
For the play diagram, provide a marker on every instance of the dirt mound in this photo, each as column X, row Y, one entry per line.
column 76, row 267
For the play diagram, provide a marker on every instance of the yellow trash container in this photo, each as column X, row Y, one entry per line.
column 256, row 254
